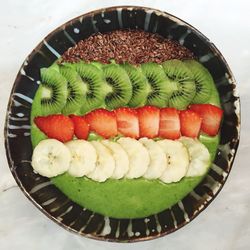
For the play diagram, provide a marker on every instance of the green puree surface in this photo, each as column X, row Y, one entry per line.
column 124, row 198
column 128, row 198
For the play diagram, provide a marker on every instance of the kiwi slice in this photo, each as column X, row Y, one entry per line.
column 93, row 84
column 182, row 78
column 140, row 86
column 118, row 86
column 51, row 95
column 203, row 81
column 75, row 90
column 160, row 88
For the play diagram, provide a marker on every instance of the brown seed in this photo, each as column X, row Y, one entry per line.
column 132, row 46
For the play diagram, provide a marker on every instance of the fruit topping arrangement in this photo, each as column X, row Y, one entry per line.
column 118, row 121
column 166, row 160
column 147, row 121
column 82, row 87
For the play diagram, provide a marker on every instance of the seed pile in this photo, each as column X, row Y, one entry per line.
column 132, row 46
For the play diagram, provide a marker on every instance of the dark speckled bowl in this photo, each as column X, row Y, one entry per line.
column 53, row 202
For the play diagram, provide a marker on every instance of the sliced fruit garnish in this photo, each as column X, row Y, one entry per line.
column 105, row 164
column 211, row 117
column 149, row 118
column 177, row 160
column 158, row 160
column 58, row 127
column 83, row 157
column 51, row 158
column 81, row 127
column 203, row 81
column 182, row 78
column 127, row 122
column 119, row 88
column 120, row 156
column 138, row 157
column 103, row 122
column 169, row 123
column 190, row 123
column 159, row 87
column 198, row 155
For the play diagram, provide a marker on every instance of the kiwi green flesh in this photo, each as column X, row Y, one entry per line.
column 140, row 86
column 203, row 81
column 118, row 86
column 93, row 81
column 52, row 93
column 157, row 80
column 182, row 77
column 75, row 90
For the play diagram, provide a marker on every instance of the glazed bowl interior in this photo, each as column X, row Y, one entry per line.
column 53, row 202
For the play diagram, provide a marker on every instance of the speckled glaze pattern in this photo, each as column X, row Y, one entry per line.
column 53, row 202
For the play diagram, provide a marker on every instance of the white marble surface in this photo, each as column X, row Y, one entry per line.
column 225, row 224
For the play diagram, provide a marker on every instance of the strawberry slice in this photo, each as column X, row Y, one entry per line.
column 81, row 127
column 58, row 127
column 211, row 117
column 103, row 122
column 190, row 123
column 127, row 122
column 149, row 119
column 169, row 123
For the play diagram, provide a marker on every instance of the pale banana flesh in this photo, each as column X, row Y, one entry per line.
column 51, row 158
column 166, row 160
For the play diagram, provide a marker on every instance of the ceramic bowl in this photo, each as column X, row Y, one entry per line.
column 53, row 202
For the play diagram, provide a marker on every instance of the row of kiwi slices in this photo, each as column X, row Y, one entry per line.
column 81, row 87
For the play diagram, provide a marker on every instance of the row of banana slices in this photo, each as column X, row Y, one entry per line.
column 167, row 160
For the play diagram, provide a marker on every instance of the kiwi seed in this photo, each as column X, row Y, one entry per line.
column 203, row 81
column 75, row 90
column 182, row 78
column 159, row 92
column 140, row 86
column 118, row 86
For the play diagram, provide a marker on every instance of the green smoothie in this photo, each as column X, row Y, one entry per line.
column 132, row 198
column 128, row 198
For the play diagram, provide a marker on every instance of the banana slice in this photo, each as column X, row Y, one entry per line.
column 120, row 157
column 105, row 163
column 83, row 157
column 51, row 158
column 177, row 160
column 199, row 157
column 138, row 157
column 158, row 159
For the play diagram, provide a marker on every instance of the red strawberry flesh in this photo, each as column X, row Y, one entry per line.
column 103, row 122
column 211, row 117
column 58, row 127
column 190, row 123
column 127, row 122
column 149, row 118
column 81, row 127
column 169, row 123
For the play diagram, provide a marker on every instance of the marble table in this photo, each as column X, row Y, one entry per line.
column 225, row 224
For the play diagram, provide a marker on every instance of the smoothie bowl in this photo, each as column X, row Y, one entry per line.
column 123, row 124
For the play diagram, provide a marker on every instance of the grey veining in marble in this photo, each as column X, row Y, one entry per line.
column 225, row 224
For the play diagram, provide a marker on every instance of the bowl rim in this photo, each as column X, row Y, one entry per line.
column 204, row 204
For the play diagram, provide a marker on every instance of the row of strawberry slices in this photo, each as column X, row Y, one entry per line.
column 147, row 121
